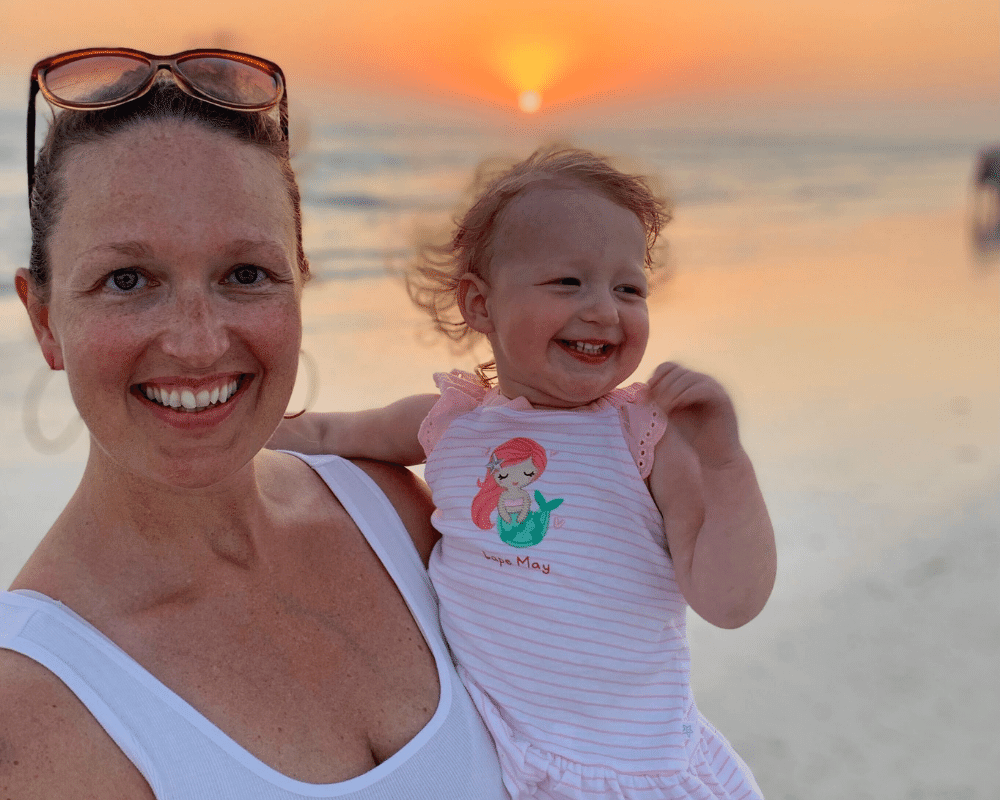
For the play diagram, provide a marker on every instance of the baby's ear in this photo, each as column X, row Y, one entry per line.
column 472, row 294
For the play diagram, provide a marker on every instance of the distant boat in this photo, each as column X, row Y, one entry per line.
column 986, row 200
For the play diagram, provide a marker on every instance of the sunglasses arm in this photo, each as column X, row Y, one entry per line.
column 32, row 94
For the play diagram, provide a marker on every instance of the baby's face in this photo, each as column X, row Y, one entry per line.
column 516, row 475
column 567, row 296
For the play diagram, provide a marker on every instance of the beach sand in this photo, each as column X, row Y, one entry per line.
column 863, row 358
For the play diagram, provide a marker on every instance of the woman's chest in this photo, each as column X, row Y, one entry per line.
column 320, row 671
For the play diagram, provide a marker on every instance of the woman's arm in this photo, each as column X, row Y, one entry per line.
column 384, row 434
column 717, row 526
column 51, row 745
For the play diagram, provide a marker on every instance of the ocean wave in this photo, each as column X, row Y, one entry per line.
column 362, row 201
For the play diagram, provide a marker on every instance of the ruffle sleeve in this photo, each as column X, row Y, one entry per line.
column 461, row 392
column 643, row 423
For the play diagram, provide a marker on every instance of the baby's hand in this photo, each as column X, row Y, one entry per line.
column 700, row 410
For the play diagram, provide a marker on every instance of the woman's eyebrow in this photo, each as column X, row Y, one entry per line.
column 132, row 249
column 243, row 247
column 234, row 249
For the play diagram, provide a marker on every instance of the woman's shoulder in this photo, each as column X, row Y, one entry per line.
column 51, row 745
column 410, row 497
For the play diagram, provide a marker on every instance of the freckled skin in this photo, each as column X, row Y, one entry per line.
column 187, row 320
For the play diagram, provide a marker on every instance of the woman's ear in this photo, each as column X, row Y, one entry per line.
column 38, row 313
column 473, row 292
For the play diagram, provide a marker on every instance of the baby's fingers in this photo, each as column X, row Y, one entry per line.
column 673, row 386
column 666, row 371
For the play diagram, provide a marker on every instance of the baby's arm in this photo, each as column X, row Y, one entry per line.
column 385, row 434
column 717, row 526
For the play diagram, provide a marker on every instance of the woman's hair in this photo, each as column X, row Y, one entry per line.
column 433, row 279
column 164, row 101
column 510, row 452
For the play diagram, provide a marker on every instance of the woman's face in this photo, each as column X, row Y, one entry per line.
column 175, row 300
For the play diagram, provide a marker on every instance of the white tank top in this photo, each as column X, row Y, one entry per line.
column 183, row 756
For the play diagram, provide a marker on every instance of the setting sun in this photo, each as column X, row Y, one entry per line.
column 529, row 102
column 529, row 67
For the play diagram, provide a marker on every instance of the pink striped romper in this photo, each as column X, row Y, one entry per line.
column 559, row 601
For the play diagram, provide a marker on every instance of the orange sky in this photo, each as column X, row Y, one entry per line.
column 572, row 51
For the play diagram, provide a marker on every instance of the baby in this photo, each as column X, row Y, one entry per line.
column 578, row 519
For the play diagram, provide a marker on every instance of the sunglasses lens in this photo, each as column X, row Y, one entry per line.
column 97, row 79
column 231, row 82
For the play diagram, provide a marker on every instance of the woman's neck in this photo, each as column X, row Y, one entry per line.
column 135, row 541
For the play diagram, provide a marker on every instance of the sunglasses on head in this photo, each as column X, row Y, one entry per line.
column 104, row 77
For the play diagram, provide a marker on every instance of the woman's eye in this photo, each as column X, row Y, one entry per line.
column 125, row 280
column 247, row 275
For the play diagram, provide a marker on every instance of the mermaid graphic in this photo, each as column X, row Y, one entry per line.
column 512, row 466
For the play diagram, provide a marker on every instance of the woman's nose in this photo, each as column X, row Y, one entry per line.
column 195, row 331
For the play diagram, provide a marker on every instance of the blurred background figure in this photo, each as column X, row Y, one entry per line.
column 985, row 210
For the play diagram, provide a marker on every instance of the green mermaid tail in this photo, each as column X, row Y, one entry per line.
column 535, row 525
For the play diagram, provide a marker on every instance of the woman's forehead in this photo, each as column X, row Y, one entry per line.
column 155, row 176
column 162, row 152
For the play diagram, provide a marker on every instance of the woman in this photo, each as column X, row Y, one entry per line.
column 207, row 618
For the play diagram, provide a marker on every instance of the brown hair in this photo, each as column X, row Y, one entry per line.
column 432, row 280
column 164, row 101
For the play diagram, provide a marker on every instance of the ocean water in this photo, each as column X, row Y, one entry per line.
column 367, row 183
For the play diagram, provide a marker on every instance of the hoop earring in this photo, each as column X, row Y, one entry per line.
column 312, row 374
column 33, row 430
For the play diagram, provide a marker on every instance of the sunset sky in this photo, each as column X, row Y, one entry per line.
column 583, row 53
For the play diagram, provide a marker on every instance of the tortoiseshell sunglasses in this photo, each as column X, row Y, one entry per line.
column 104, row 77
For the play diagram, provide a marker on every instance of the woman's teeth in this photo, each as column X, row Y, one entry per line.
column 186, row 400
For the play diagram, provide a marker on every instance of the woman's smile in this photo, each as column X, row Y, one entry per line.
column 191, row 399
column 198, row 406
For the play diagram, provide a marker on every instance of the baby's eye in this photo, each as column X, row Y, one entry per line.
column 247, row 275
column 627, row 289
column 566, row 282
column 125, row 280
